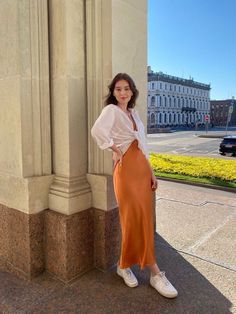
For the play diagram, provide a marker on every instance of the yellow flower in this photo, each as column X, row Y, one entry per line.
column 204, row 167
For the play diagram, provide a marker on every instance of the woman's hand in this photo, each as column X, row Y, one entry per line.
column 117, row 156
column 154, row 182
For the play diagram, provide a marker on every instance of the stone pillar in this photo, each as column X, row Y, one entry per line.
column 66, row 222
column 25, row 159
column 69, row 222
column 116, row 42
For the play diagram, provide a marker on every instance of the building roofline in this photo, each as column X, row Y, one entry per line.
column 223, row 100
column 160, row 76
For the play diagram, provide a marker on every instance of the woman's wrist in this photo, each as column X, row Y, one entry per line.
column 116, row 149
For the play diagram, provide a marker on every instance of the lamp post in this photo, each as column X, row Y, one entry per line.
column 230, row 111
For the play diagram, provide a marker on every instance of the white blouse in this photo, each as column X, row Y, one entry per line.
column 113, row 126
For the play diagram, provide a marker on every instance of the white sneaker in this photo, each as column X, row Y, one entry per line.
column 163, row 286
column 128, row 276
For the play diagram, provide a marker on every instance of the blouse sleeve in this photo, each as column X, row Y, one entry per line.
column 101, row 130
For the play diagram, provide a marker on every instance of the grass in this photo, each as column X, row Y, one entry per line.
column 196, row 180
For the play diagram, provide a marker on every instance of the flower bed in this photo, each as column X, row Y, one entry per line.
column 214, row 169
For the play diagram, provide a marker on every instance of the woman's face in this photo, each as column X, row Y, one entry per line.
column 122, row 92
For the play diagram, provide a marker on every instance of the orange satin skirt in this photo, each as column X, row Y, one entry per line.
column 132, row 184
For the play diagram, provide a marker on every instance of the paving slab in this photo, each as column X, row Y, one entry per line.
column 194, row 194
column 222, row 287
column 183, row 224
column 220, row 245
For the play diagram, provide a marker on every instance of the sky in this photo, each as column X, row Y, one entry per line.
column 195, row 38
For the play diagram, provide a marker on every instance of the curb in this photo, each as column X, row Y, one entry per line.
column 209, row 186
column 212, row 136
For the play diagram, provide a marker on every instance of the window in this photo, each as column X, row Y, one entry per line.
column 153, row 101
column 153, row 85
column 160, row 85
column 152, row 118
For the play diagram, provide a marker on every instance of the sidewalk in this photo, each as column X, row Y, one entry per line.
column 195, row 245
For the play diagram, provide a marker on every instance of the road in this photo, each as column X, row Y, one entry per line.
column 187, row 143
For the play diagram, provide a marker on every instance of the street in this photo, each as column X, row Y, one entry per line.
column 187, row 143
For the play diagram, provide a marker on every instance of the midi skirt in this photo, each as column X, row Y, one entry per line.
column 132, row 185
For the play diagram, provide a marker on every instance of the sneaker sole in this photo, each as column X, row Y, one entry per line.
column 169, row 296
column 128, row 284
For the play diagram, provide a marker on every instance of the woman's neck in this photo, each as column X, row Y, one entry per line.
column 123, row 107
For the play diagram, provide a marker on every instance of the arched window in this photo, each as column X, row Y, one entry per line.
column 153, row 101
column 174, row 118
column 152, row 118
column 165, row 117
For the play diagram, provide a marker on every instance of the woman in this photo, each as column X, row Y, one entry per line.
column 119, row 128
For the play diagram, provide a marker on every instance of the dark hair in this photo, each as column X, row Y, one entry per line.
column 110, row 98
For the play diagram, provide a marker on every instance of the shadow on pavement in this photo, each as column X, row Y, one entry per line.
column 97, row 292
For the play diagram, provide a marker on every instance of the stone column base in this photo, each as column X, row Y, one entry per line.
column 69, row 243
column 66, row 246
column 21, row 242
column 107, row 235
column 77, row 243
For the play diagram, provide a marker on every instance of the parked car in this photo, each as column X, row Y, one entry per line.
column 228, row 145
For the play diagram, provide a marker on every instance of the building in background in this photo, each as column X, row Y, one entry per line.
column 174, row 101
column 219, row 111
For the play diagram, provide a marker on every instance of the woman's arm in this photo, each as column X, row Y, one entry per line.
column 101, row 130
column 117, row 154
column 154, row 182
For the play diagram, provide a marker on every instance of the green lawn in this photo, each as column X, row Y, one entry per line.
column 195, row 180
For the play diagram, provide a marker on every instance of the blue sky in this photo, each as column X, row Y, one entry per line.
column 195, row 38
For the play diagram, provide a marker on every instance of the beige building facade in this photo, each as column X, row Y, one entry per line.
column 57, row 204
